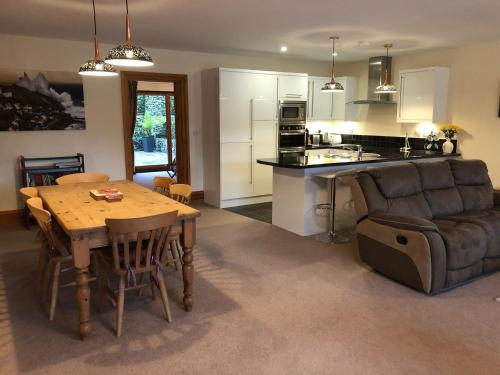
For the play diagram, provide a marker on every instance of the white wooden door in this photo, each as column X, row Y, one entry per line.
column 322, row 101
column 235, row 98
column 292, row 87
column 236, row 170
column 416, row 97
column 264, row 146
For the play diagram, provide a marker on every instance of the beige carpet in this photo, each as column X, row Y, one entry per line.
column 266, row 302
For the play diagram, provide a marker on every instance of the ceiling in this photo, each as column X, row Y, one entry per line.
column 261, row 27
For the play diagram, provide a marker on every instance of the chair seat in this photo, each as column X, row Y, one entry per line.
column 466, row 242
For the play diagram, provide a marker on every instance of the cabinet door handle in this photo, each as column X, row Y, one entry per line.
column 251, row 164
column 293, row 95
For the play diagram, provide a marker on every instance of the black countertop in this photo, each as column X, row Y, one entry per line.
column 386, row 154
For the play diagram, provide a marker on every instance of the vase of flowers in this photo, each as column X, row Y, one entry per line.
column 449, row 131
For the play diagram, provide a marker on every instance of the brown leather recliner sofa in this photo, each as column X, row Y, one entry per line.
column 432, row 225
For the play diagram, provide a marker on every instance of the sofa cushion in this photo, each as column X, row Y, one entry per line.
column 397, row 181
column 439, row 188
column 413, row 205
column 400, row 186
column 473, row 184
column 489, row 221
column 435, row 175
column 466, row 242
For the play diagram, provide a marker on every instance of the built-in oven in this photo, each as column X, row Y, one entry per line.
column 292, row 112
column 291, row 139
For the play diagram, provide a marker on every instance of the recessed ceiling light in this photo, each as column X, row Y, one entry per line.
column 284, row 48
column 335, row 54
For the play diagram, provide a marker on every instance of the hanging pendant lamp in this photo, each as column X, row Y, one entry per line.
column 96, row 67
column 127, row 54
column 386, row 88
column 333, row 86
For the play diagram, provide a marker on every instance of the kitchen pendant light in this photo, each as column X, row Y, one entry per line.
column 333, row 86
column 127, row 54
column 96, row 67
column 386, row 88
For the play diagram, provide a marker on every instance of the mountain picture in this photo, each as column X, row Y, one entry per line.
column 35, row 104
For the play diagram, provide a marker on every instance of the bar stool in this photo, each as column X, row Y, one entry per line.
column 331, row 236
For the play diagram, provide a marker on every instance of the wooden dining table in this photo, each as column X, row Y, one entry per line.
column 83, row 219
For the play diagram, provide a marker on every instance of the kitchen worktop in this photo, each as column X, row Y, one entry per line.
column 386, row 154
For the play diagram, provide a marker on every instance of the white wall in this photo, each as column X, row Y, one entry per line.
column 102, row 142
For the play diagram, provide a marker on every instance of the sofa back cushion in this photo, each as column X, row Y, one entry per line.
column 439, row 188
column 473, row 184
column 396, row 190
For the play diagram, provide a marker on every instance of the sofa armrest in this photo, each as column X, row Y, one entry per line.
column 496, row 197
column 404, row 222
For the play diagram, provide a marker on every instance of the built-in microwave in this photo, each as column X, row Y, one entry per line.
column 292, row 112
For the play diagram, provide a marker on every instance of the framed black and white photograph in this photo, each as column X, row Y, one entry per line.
column 34, row 100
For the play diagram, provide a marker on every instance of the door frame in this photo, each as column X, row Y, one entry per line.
column 181, row 120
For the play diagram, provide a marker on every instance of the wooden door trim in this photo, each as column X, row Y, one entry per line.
column 181, row 120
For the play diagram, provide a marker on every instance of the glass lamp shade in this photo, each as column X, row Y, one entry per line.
column 128, row 55
column 97, row 68
column 386, row 88
column 332, row 87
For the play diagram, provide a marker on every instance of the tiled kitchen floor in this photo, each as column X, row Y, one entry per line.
column 261, row 211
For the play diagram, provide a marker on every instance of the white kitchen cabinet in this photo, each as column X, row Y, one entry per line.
column 264, row 146
column 336, row 106
column 423, row 95
column 235, row 93
column 240, row 109
column 319, row 103
column 264, row 97
column 343, row 108
column 292, row 87
column 236, row 170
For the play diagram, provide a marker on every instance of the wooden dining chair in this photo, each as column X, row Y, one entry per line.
column 27, row 193
column 54, row 253
column 161, row 184
column 138, row 246
column 181, row 193
column 82, row 177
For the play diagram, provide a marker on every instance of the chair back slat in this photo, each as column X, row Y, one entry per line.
column 162, row 184
column 138, row 249
column 144, row 231
column 181, row 192
column 44, row 220
column 82, row 177
column 151, row 243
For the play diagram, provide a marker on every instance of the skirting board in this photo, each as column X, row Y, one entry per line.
column 246, row 201
column 197, row 195
column 10, row 218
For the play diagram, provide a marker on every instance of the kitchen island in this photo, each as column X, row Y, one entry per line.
column 297, row 191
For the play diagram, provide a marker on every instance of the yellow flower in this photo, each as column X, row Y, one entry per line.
column 450, row 128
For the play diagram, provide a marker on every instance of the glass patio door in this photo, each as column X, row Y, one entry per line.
column 154, row 133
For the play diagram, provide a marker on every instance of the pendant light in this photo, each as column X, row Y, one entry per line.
column 96, row 67
column 127, row 54
column 386, row 88
column 333, row 86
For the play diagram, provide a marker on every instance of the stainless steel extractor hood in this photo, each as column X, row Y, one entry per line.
column 376, row 76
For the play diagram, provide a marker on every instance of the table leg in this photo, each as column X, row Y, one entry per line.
column 81, row 260
column 188, row 239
